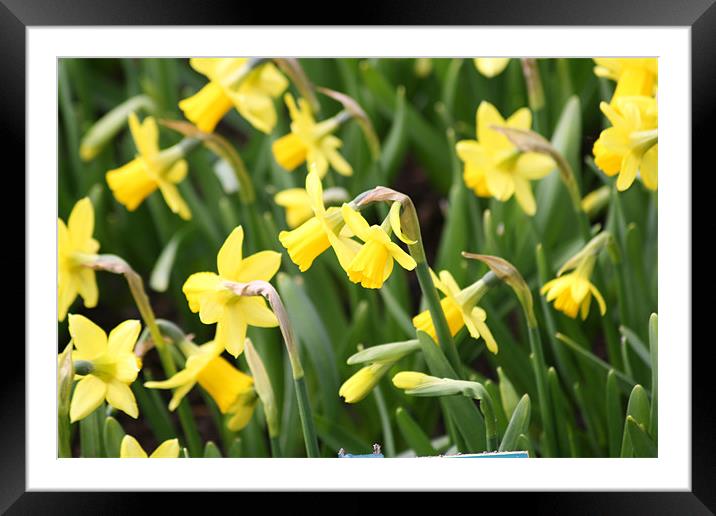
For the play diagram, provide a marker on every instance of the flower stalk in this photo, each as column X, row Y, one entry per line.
column 410, row 225
column 65, row 376
column 268, row 292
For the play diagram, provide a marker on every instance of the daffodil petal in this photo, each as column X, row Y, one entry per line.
column 89, row 339
column 81, row 222
column 231, row 330
column 257, row 313
column 230, row 255
column 395, row 224
column 87, row 286
column 523, row 193
column 131, row 449
column 404, row 259
column 89, row 394
column 120, row 396
column 169, row 449
column 356, row 222
column 123, row 337
column 260, row 266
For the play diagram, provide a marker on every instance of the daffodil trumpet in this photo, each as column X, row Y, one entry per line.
column 407, row 221
column 267, row 291
column 420, row 384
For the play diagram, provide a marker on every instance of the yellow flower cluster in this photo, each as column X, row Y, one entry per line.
column 630, row 146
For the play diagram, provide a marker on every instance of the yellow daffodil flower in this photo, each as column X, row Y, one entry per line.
column 491, row 66
column 232, row 85
column 131, row 449
column 361, row 383
column 373, row 263
column 323, row 230
column 634, row 76
column 298, row 205
column 459, row 307
column 231, row 389
column 151, row 169
column 310, row 141
column 108, row 363
column 630, row 145
column 75, row 247
column 494, row 166
column 573, row 292
column 207, row 295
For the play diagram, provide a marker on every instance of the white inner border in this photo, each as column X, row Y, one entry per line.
column 672, row 470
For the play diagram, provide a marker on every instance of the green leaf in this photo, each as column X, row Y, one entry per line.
column 638, row 410
column 113, row 435
column 413, row 434
column 519, row 424
column 159, row 280
column 465, row 414
column 91, row 434
column 643, row 445
column 235, row 448
column 653, row 348
column 614, row 414
column 508, row 394
column 396, row 142
column 314, row 339
column 636, row 344
column 211, row 451
column 336, row 437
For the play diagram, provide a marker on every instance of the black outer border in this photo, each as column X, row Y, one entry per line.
column 16, row 15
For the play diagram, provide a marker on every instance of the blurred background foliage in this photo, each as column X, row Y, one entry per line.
column 419, row 108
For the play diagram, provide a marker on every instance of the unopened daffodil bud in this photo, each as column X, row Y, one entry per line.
column 392, row 351
column 361, row 383
column 595, row 201
column 491, row 66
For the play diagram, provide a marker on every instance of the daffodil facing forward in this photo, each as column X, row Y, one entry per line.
column 310, row 141
column 491, row 66
column 634, row 76
column 373, row 263
column 106, row 366
column 131, row 449
column 231, row 389
column 460, row 309
column 76, row 249
column 151, row 169
column 207, row 294
column 496, row 167
column 572, row 293
column 630, row 146
column 321, row 231
column 249, row 85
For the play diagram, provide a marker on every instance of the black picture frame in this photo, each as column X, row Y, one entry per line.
column 17, row 15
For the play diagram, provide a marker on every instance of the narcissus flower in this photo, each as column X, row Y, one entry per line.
column 207, row 294
column 573, row 292
column 131, row 449
column 460, row 309
column 106, row 365
column 151, row 169
column 231, row 389
column 496, row 167
column 634, row 76
column 630, row 146
column 75, row 248
column 491, row 66
column 231, row 84
column 298, row 205
column 361, row 383
column 373, row 263
column 318, row 233
column 311, row 141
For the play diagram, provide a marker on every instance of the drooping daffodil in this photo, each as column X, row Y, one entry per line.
column 494, row 166
column 106, row 366
column 75, row 249
column 151, row 169
column 207, row 294
column 373, row 263
column 323, row 230
column 231, row 389
column 310, row 141
column 460, row 309
column 131, row 449
column 239, row 83
column 630, row 147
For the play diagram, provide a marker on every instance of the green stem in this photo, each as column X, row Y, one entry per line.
column 545, row 405
column 304, row 410
column 275, row 447
column 388, row 439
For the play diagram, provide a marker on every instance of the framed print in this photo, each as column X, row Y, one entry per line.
column 279, row 246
